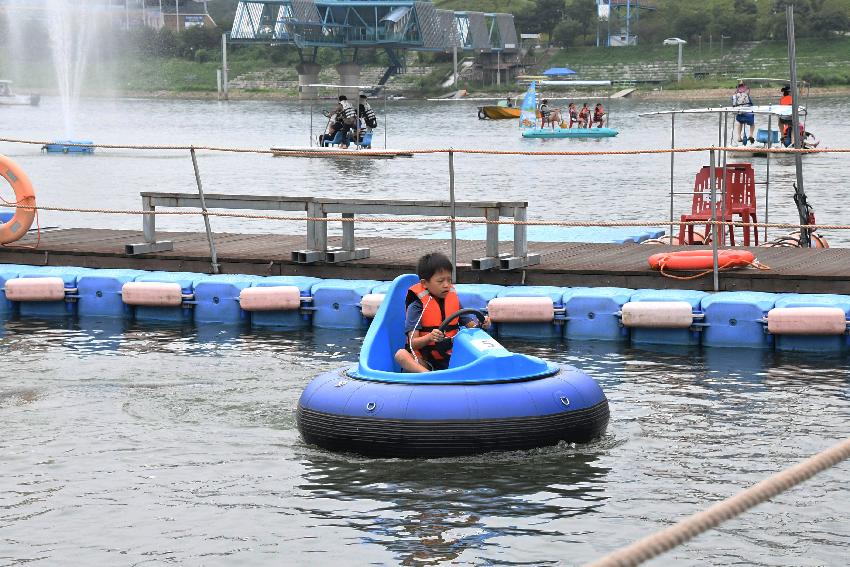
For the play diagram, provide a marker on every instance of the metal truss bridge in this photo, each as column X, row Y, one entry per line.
column 388, row 24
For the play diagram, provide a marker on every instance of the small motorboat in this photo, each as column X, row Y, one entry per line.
column 8, row 97
column 489, row 399
column 569, row 133
column 498, row 112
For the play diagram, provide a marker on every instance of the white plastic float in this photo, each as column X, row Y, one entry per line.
column 521, row 309
column 658, row 314
column 152, row 294
column 276, row 298
column 35, row 289
column 370, row 303
column 806, row 321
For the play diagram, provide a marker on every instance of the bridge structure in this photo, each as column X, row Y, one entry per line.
column 394, row 26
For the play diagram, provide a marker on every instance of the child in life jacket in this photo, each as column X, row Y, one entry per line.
column 428, row 303
column 584, row 117
column 573, row 114
column 598, row 116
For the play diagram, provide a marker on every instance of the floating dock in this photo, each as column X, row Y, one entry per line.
column 573, row 264
column 337, row 152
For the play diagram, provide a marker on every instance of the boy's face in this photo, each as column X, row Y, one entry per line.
column 439, row 285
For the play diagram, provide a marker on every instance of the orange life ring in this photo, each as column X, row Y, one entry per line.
column 700, row 259
column 22, row 220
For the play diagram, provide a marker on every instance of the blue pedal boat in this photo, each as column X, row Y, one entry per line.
column 489, row 399
column 569, row 133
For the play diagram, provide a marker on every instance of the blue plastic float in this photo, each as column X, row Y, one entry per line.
column 803, row 322
column 489, row 399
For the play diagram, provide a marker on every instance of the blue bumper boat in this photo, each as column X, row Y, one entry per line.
column 489, row 399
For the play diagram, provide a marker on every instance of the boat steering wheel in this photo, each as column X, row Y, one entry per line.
column 467, row 311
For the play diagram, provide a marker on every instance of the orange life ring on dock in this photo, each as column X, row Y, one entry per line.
column 22, row 220
column 700, row 260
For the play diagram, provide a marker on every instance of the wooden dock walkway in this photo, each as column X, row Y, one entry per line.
column 562, row 263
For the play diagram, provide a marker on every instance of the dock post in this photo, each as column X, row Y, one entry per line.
column 213, row 254
column 452, row 200
column 148, row 221
column 713, row 173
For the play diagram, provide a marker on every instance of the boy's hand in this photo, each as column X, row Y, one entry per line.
column 437, row 335
column 486, row 323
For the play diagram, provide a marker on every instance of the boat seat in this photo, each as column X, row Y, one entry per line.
column 762, row 137
column 366, row 142
column 337, row 140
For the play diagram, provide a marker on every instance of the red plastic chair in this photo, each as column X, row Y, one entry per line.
column 740, row 200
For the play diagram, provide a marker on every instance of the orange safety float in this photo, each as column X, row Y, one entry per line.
column 701, row 260
column 22, row 220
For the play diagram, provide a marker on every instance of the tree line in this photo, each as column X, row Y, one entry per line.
column 576, row 22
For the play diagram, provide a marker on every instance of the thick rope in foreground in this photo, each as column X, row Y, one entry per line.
column 677, row 534
column 383, row 152
column 408, row 219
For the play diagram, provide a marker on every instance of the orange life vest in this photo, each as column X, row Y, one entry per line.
column 433, row 313
column 786, row 100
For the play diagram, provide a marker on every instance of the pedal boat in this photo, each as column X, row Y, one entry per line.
column 489, row 399
column 569, row 133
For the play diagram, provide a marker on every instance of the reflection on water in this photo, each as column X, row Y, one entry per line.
column 431, row 511
column 180, row 444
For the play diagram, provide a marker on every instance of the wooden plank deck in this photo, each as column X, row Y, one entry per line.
column 563, row 263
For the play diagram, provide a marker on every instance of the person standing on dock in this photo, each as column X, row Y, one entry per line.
column 742, row 98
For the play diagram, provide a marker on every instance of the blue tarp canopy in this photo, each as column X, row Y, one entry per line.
column 558, row 72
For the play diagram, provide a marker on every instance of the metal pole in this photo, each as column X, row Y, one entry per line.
column 724, row 188
column 714, row 220
column 177, row 16
column 679, row 68
column 213, row 254
column 127, row 15
column 499, row 68
column 454, row 61
column 224, row 64
column 800, row 192
column 386, row 117
column 767, row 181
column 452, row 201
column 311, row 124
column 672, row 160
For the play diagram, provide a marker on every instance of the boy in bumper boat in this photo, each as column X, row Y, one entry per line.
column 428, row 303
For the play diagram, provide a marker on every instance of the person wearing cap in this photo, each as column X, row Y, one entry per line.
column 742, row 98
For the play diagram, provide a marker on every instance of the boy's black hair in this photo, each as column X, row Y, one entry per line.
column 430, row 264
column 342, row 97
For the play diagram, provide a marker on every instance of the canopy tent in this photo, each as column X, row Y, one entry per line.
column 558, row 72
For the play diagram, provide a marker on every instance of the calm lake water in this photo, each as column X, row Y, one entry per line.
column 130, row 445
column 557, row 188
